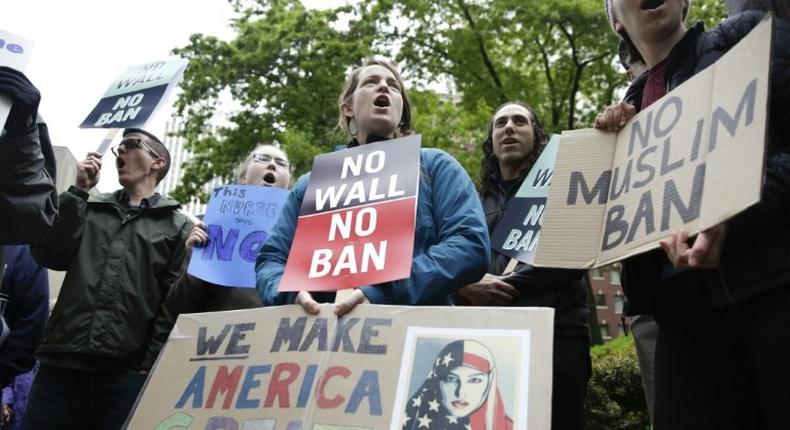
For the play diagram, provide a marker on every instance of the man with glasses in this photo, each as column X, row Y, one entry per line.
column 122, row 252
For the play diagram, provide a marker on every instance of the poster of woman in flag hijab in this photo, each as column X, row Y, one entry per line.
column 475, row 382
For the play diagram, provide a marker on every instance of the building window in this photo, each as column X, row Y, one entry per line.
column 600, row 299
column 617, row 303
column 604, row 327
column 596, row 273
column 615, row 276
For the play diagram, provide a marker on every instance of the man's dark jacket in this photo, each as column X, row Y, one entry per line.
column 25, row 283
column 28, row 198
column 120, row 264
column 756, row 251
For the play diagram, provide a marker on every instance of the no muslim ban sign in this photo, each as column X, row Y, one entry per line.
column 690, row 161
column 133, row 98
column 517, row 234
column 356, row 224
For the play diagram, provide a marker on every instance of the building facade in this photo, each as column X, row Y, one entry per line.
column 179, row 155
column 609, row 301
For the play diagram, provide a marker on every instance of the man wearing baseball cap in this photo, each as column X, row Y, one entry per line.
column 121, row 252
column 721, row 299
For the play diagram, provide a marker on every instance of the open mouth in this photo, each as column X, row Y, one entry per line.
column 509, row 141
column 651, row 4
column 119, row 163
column 269, row 178
column 382, row 101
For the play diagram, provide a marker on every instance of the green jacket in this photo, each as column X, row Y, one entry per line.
column 120, row 265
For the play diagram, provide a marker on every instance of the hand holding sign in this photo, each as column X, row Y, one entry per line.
column 703, row 254
column 88, row 172
column 357, row 297
column 615, row 117
column 489, row 291
column 197, row 237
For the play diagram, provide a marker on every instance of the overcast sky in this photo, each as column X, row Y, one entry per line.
column 81, row 46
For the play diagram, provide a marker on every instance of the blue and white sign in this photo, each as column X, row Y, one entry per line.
column 133, row 98
column 518, row 232
column 238, row 220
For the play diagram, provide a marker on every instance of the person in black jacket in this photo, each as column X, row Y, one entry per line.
column 515, row 140
column 28, row 198
column 720, row 298
column 24, row 306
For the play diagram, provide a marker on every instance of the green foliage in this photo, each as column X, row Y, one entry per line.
column 556, row 56
column 448, row 126
column 711, row 12
column 615, row 400
column 283, row 70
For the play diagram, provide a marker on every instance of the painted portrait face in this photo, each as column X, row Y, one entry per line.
column 464, row 389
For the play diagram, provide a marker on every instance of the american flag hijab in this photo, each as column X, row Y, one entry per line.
column 428, row 409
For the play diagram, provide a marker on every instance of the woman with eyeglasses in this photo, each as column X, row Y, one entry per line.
column 451, row 244
column 266, row 166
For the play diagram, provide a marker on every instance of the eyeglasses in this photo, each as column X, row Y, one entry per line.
column 133, row 143
column 266, row 158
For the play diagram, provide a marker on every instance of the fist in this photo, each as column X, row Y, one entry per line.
column 88, row 172
column 615, row 117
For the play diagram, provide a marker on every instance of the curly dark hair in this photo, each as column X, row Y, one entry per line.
column 489, row 164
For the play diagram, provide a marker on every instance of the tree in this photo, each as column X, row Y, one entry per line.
column 710, row 12
column 557, row 56
column 283, row 70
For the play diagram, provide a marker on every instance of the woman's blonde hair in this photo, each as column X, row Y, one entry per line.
column 352, row 82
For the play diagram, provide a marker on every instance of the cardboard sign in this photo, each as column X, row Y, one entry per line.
column 14, row 53
column 238, row 220
column 133, row 98
column 379, row 367
column 518, row 232
column 690, row 161
column 356, row 225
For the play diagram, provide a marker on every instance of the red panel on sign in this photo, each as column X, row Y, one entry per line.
column 360, row 246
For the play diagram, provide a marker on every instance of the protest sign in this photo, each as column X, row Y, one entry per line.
column 356, row 224
column 238, row 220
column 518, row 233
column 14, row 53
column 690, row 161
column 379, row 367
column 133, row 98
